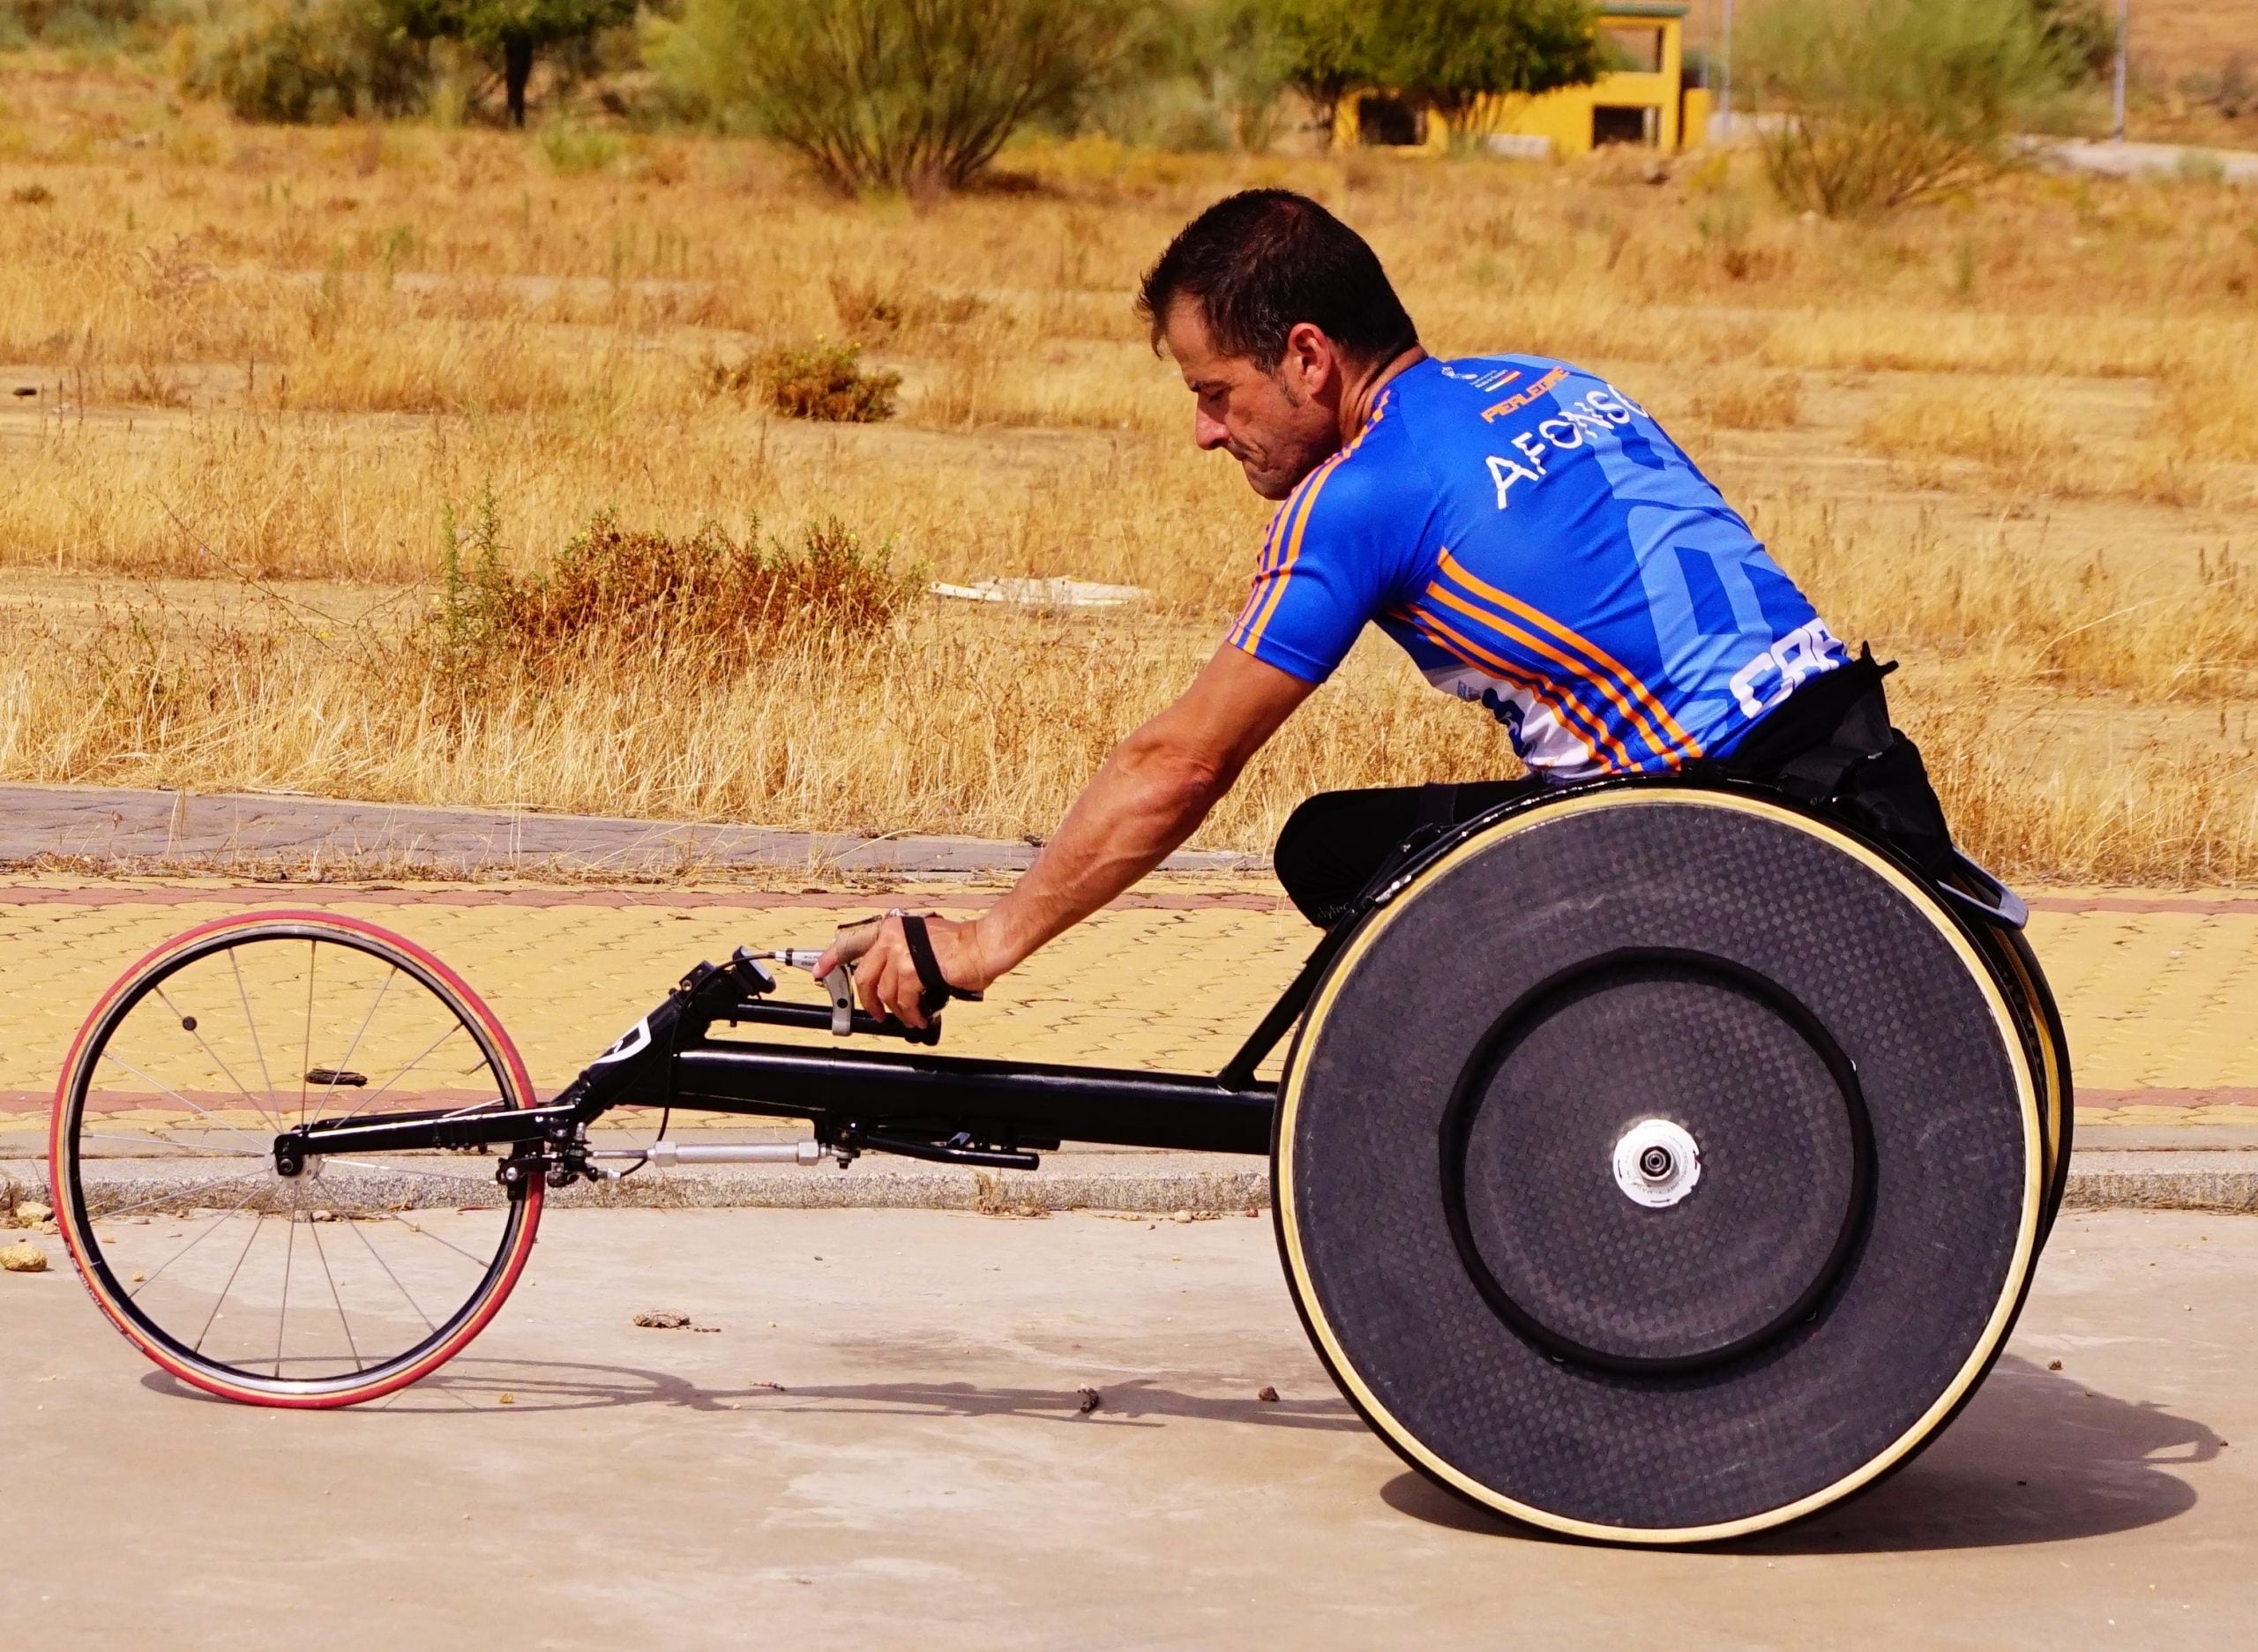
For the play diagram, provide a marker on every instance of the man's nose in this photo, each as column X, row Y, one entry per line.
column 1207, row 434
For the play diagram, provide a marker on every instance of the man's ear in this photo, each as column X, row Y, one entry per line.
column 1309, row 364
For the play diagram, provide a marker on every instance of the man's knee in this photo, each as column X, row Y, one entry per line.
column 1333, row 843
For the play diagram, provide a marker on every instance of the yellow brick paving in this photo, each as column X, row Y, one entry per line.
column 2155, row 1000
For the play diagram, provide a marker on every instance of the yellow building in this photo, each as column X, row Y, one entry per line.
column 1643, row 99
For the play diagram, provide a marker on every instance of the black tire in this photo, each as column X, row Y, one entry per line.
column 1505, row 1303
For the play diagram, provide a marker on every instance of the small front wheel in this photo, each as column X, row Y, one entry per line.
column 356, row 1276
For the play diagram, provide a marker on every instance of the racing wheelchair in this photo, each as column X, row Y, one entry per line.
column 1653, row 1162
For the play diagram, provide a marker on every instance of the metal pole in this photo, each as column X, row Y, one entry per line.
column 2124, row 35
column 1724, row 75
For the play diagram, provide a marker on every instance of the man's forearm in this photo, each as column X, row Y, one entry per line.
column 1140, row 806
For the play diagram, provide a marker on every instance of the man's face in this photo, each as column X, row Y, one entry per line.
column 1279, row 425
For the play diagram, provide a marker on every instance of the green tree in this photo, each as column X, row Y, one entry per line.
column 1445, row 56
column 907, row 95
column 1324, row 50
column 516, row 29
column 2082, row 34
column 1448, row 55
column 1888, row 101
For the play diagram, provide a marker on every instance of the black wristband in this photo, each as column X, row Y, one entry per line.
column 937, row 989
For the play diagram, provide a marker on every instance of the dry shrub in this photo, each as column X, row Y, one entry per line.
column 870, row 312
column 1747, row 399
column 817, row 381
column 991, row 722
column 540, row 328
column 617, row 595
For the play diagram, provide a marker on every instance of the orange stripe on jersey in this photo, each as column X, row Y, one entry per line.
column 1293, row 549
column 1270, row 583
column 1572, row 716
column 1536, row 645
column 1271, row 538
column 1666, row 747
column 1247, row 637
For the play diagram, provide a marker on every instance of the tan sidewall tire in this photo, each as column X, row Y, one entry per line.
column 1418, row 1453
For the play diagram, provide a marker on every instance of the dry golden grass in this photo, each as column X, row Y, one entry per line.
column 267, row 357
column 2011, row 439
column 1744, row 399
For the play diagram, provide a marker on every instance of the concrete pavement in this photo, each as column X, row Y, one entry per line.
column 881, row 1447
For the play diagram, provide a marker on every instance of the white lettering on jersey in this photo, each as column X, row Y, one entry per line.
column 1622, row 403
column 1801, row 654
column 1580, row 423
column 1505, row 473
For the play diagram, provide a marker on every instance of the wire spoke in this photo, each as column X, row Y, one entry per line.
column 346, row 1060
column 306, row 1055
column 351, row 1347
column 244, row 996
column 476, row 1261
column 283, row 1311
column 200, row 1150
column 404, row 1291
column 219, row 1301
column 410, row 1170
column 209, row 1228
column 452, row 1028
column 175, row 1194
column 184, row 1101
column 195, row 1031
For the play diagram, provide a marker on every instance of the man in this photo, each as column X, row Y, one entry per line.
column 1525, row 530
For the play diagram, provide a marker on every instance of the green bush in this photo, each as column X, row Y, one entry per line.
column 1888, row 101
column 573, row 149
column 296, row 61
column 615, row 593
column 74, row 22
column 908, row 94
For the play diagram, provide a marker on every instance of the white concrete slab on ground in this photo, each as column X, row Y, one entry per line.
column 883, row 1445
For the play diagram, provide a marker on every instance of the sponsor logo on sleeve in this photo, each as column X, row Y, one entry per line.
column 1480, row 374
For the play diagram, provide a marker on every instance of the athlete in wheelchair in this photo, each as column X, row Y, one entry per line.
column 1525, row 530
column 1665, row 1140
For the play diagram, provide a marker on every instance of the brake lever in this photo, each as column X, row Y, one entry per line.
column 840, row 984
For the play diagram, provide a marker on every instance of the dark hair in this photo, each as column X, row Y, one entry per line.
column 1262, row 261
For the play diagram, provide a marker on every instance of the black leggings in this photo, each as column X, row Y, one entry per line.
column 1831, row 744
column 1333, row 843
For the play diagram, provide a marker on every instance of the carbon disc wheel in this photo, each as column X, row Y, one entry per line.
column 347, row 1280
column 1660, row 1165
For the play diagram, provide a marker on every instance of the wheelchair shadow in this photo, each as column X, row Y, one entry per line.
column 2037, row 1457
column 532, row 1386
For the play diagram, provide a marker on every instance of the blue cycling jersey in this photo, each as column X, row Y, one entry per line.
column 1536, row 544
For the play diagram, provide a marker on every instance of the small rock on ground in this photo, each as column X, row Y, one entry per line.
column 24, row 1257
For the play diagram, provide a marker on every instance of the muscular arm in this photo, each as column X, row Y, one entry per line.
column 1150, row 795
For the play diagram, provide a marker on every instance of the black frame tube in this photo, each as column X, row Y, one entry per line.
column 856, row 1097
